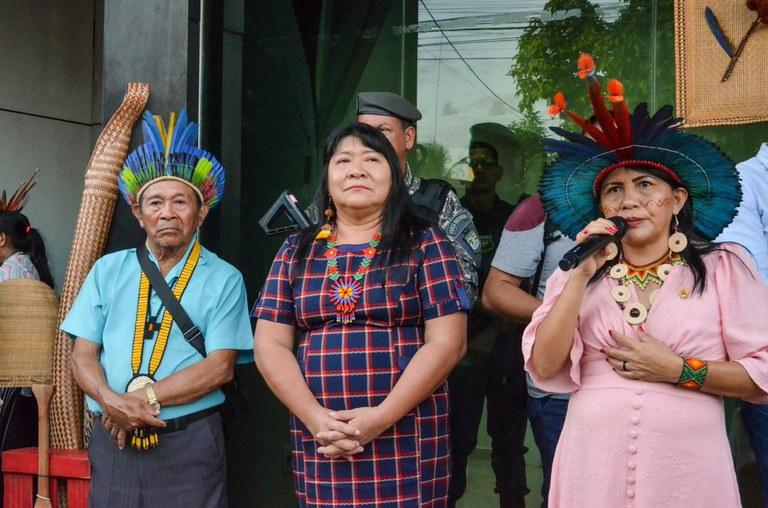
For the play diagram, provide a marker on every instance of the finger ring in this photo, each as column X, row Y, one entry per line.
column 624, row 365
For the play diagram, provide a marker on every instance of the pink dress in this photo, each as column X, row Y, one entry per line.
column 651, row 445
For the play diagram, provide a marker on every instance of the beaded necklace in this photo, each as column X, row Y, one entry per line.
column 345, row 291
column 144, row 438
column 657, row 272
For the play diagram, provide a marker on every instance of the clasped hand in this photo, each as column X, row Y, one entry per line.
column 124, row 413
column 345, row 433
column 646, row 359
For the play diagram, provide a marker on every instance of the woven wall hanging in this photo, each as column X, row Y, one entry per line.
column 720, row 59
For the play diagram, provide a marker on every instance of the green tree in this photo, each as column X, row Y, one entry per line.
column 530, row 133
column 547, row 54
column 429, row 160
column 643, row 56
column 630, row 49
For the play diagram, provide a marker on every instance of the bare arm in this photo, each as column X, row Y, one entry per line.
column 649, row 359
column 502, row 295
column 273, row 354
column 444, row 346
column 730, row 379
column 127, row 412
column 205, row 376
column 554, row 336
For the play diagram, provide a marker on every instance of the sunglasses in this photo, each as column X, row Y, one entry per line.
column 483, row 163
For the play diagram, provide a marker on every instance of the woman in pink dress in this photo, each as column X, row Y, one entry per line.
column 650, row 332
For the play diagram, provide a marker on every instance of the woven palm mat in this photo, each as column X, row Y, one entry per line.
column 93, row 223
column 703, row 99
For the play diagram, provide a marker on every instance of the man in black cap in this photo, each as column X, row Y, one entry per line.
column 435, row 200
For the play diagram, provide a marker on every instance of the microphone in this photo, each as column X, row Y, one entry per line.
column 593, row 244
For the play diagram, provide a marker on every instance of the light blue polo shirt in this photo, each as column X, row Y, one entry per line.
column 105, row 313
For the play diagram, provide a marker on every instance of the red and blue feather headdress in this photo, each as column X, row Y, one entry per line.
column 18, row 199
column 171, row 154
column 570, row 186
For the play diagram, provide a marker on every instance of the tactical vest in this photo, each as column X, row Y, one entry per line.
column 429, row 199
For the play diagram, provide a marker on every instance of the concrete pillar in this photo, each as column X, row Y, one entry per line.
column 144, row 41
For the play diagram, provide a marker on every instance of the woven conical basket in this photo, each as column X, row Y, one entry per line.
column 28, row 312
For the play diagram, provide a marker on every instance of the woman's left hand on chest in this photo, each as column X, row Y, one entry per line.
column 645, row 359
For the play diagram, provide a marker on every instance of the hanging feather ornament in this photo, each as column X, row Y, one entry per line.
column 717, row 31
column 761, row 8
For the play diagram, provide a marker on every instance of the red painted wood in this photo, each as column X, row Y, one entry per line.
column 17, row 491
column 78, row 492
column 20, row 470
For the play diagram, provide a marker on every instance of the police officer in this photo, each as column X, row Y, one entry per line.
column 435, row 200
column 492, row 368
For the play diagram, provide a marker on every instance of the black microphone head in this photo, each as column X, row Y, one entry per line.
column 569, row 261
column 621, row 224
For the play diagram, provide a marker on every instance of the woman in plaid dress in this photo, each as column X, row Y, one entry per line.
column 379, row 307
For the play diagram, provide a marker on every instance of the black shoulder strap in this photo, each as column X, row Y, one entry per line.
column 550, row 232
column 550, row 235
column 429, row 199
column 192, row 333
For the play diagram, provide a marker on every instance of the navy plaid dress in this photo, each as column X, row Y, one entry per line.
column 358, row 364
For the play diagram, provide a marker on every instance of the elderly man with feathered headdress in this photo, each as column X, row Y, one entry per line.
column 153, row 370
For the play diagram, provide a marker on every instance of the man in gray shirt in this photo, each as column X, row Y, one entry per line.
column 528, row 253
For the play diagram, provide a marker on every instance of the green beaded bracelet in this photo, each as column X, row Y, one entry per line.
column 693, row 374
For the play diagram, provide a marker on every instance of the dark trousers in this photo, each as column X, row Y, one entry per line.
column 755, row 417
column 547, row 416
column 500, row 379
column 187, row 469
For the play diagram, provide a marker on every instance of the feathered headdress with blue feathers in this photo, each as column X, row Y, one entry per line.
column 570, row 186
column 171, row 154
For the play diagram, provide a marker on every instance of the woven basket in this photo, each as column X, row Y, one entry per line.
column 703, row 99
column 28, row 311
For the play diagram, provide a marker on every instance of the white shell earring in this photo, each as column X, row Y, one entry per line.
column 677, row 240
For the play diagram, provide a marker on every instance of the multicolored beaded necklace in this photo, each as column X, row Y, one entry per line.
column 345, row 291
column 641, row 276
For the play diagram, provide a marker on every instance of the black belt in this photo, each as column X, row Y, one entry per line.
column 181, row 423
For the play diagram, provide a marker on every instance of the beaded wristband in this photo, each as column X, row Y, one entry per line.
column 693, row 374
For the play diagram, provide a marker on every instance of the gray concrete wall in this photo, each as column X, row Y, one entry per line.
column 46, row 111
column 144, row 41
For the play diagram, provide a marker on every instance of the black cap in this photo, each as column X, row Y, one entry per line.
column 499, row 137
column 387, row 104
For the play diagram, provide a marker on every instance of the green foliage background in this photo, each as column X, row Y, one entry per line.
column 548, row 52
column 633, row 48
